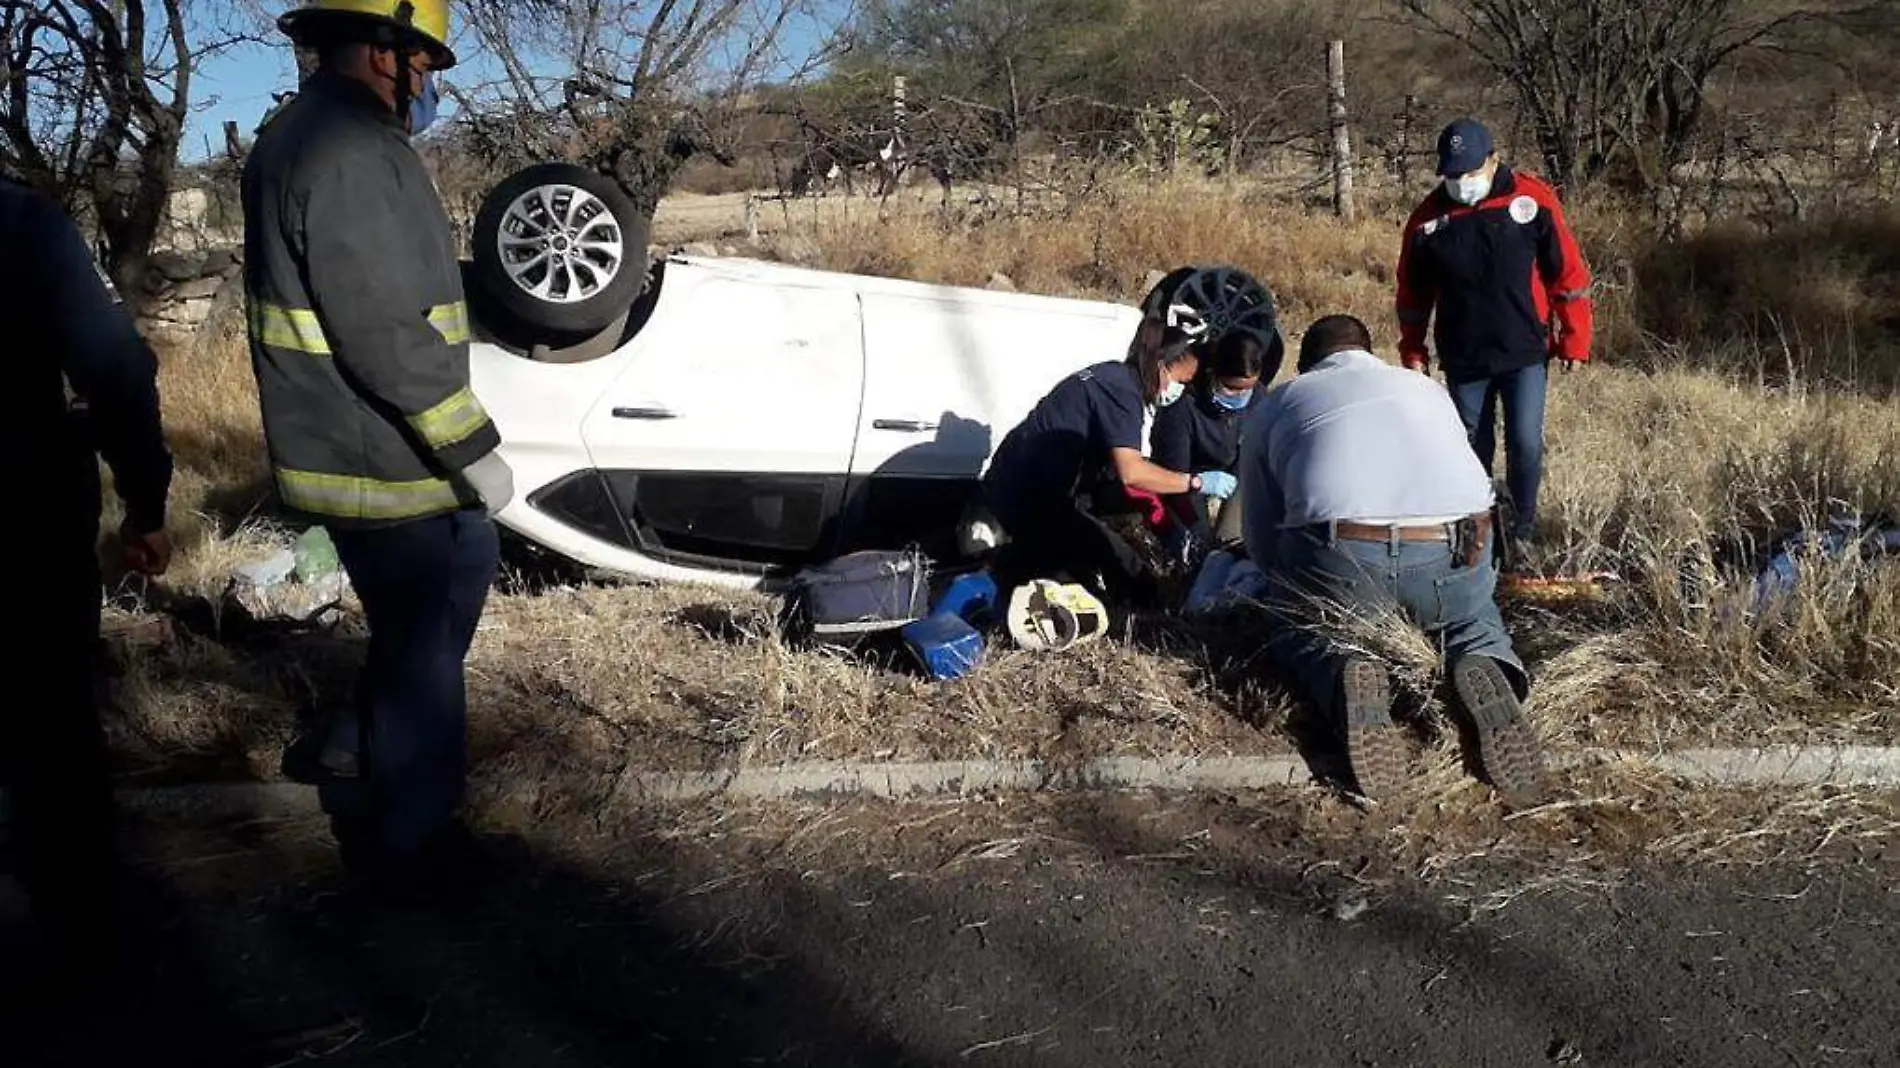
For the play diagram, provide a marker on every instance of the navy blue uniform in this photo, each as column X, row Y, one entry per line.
column 1194, row 435
column 65, row 328
column 1045, row 466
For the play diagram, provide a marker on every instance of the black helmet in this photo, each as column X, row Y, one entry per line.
column 1200, row 305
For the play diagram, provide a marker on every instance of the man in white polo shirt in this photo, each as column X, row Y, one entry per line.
column 1360, row 487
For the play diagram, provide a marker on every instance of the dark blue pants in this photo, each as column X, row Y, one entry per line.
column 1428, row 585
column 1521, row 393
column 423, row 584
column 54, row 762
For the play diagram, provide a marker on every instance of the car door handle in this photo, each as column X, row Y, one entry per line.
column 909, row 426
column 645, row 412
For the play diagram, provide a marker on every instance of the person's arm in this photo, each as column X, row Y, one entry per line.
column 376, row 318
column 1417, row 293
column 1140, row 473
column 1566, row 277
column 110, row 366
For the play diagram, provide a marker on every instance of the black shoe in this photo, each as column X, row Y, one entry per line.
column 1374, row 749
column 1508, row 750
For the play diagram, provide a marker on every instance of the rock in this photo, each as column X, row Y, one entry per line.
column 1350, row 905
column 198, row 289
column 130, row 632
column 221, row 262
column 1002, row 282
column 176, row 266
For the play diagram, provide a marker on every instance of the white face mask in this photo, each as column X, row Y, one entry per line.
column 1169, row 394
column 1469, row 189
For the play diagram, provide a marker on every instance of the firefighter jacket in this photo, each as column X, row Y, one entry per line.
column 359, row 331
column 1505, row 278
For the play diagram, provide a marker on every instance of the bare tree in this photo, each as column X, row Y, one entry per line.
column 1616, row 87
column 633, row 88
column 1250, row 60
column 94, row 98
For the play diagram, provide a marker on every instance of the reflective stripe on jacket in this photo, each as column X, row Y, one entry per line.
column 359, row 330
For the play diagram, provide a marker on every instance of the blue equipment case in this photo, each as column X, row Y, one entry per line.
column 945, row 645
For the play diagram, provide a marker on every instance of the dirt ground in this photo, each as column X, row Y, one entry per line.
column 1089, row 930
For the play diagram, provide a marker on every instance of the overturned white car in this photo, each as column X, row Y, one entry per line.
column 732, row 420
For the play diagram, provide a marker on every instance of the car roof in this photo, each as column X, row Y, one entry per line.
column 767, row 271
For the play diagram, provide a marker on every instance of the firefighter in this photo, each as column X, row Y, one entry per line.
column 84, row 386
column 1489, row 256
column 359, row 338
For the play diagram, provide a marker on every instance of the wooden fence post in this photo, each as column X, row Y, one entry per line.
column 1342, row 136
column 1406, row 119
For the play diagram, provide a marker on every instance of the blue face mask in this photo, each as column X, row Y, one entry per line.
column 422, row 108
column 1233, row 404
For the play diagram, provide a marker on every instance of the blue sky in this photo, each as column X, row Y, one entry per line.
column 236, row 85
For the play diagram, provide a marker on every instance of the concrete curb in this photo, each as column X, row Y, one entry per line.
column 1789, row 765
column 1785, row 767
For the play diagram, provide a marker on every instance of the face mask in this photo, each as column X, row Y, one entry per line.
column 1469, row 189
column 422, row 108
column 1171, row 394
column 1233, row 404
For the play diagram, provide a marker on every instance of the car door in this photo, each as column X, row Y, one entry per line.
column 727, row 438
column 948, row 373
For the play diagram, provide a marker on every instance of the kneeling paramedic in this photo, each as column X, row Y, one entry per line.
column 1362, row 493
column 1087, row 434
column 359, row 337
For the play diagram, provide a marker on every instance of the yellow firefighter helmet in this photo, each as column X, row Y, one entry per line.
column 425, row 20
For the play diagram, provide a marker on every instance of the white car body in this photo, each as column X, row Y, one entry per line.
column 768, row 416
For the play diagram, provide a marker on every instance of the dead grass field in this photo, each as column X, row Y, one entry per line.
column 1657, row 461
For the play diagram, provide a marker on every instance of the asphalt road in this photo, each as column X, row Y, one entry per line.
column 1088, row 932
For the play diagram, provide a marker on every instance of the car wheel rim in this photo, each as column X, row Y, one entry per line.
column 560, row 244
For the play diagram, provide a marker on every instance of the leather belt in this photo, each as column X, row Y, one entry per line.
column 1441, row 532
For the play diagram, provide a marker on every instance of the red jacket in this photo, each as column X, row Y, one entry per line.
column 1504, row 279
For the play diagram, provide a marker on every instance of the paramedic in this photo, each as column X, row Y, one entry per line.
column 1202, row 433
column 1489, row 257
column 1087, row 434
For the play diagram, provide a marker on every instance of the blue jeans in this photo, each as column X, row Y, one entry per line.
column 1427, row 582
column 423, row 585
column 1522, row 393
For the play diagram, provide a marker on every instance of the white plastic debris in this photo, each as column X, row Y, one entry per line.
column 269, row 571
column 300, row 584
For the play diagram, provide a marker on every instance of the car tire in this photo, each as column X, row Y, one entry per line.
column 561, row 250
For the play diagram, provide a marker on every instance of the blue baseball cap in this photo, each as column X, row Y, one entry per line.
column 1463, row 147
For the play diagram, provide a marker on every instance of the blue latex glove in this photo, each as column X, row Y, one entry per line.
column 1217, row 484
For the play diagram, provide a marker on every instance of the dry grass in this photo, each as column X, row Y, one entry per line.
column 1651, row 466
